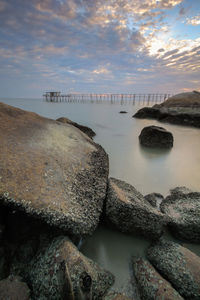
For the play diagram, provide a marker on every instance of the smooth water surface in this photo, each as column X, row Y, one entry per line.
column 148, row 170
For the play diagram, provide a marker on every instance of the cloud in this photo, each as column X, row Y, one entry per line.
column 95, row 44
column 3, row 5
column 194, row 20
column 101, row 70
column 57, row 9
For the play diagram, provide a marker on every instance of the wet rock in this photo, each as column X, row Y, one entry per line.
column 154, row 199
column 151, row 284
column 183, row 109
column 62, row 271
column 179, row 266
column 84, row 129
column 183, row 210
column 51, row 170
column 129, row 211
column 154, row 136
column 13, row 288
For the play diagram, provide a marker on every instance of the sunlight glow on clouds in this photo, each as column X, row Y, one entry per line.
column 194, row 20
column 101, row 70
column 99, row 46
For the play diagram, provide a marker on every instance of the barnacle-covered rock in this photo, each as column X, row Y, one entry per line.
column 51, row 170
column 151, row 284
column 179, row 266
column 128, row 211
column 183, row 210
column 62, row 272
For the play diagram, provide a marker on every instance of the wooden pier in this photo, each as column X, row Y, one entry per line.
column 106, row 98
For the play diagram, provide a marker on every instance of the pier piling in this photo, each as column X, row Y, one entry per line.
column 106, row 98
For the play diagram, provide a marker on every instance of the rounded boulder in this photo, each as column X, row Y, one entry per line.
column 156, row 137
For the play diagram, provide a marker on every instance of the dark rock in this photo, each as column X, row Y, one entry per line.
column 1, row 231
column 62, row 272
column 52, row 171
column 123, row 112
column 147, row 112
column 3, row 264
column 129, row 211
column 3, row 216
column 13, row 288
column 183, row 210
column 156, row 137
column 84, row 129
column 154, row 199
column 182, row 109
column 151, row 284
column 179, row 266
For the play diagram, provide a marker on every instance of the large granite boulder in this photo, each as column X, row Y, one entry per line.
column 151, row 284
column 85, row 129
column 62, row 272
column 13, row 288
column 183, row 211
column 51, row 170
column 179, row 266
column 128, row 211
column 183, row 109
column 156, row 137
column 188, row 99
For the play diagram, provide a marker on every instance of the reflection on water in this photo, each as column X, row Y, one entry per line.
column 153, row 153
column 146, row 169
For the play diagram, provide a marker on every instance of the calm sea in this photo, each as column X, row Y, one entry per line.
column 148, row 170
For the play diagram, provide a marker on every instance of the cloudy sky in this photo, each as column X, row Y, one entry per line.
column 121, row 46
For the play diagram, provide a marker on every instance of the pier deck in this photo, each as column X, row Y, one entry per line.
column 105, row 98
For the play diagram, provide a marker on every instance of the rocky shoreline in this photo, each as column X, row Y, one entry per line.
column 181, row 109
column 55, row 189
